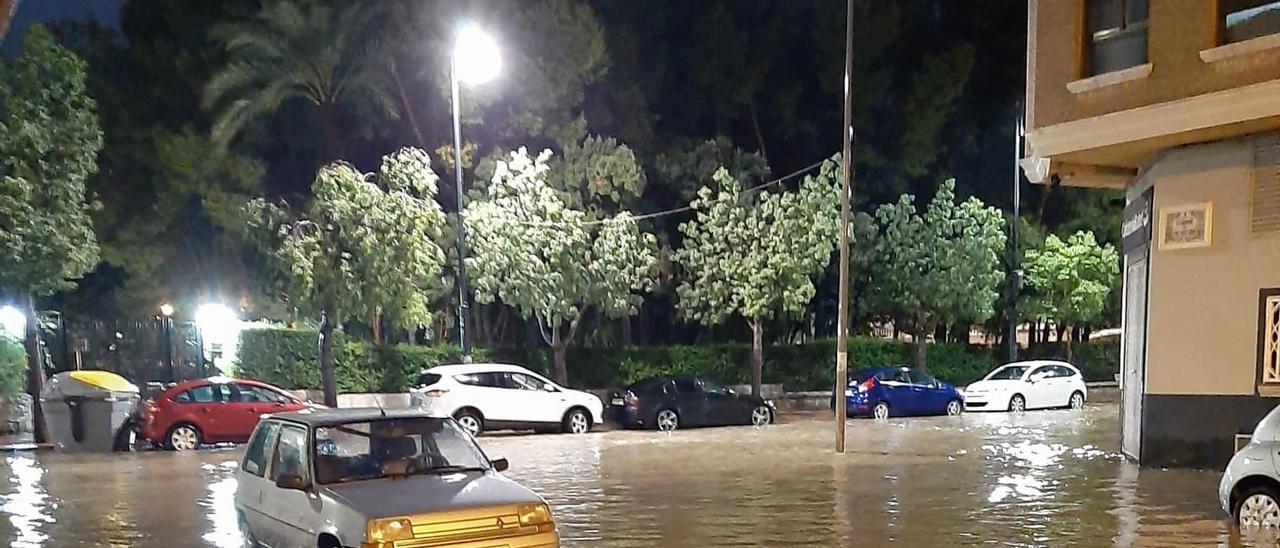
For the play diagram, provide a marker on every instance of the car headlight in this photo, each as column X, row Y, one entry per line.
column 390, row 529
column 535, row 515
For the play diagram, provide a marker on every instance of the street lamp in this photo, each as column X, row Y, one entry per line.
column 475, row 60
column 166, row 310
column 217, row 323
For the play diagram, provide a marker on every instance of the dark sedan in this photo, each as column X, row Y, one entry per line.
column 668, row 403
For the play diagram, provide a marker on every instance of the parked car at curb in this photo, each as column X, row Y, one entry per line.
column 882, row 392
column 207, row 411
column 380, row 479
column 1249, row 491
column 491, row 396
column 1019, row 386
column 668, row 403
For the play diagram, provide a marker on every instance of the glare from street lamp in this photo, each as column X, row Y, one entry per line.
column 12, row 322
column 166, row 309
column 475, row 56
column 215, row 318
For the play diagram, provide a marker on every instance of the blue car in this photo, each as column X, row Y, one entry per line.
column 884, row 392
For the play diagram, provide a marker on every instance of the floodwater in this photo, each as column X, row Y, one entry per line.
column 1045, row 478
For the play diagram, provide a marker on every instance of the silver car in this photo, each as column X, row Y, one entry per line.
column 337, row 478
column 1250, row 488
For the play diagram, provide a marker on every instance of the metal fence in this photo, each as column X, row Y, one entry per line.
column 158, row 350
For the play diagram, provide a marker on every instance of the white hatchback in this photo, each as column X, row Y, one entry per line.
column 1019, row 386
column 491, row 396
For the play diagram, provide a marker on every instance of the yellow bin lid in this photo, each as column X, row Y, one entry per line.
column 105, row 380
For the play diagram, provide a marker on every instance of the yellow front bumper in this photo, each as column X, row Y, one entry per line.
column 540, row 540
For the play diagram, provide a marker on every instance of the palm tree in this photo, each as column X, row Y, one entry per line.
column 299, row 49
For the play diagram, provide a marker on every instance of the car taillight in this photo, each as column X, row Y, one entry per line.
column 630, row 398
column 867, row 384
column 435, row 392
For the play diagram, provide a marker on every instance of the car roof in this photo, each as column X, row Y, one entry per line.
column 193, row 383
column 326, row 416
column 465, row 368
column 1038, row 363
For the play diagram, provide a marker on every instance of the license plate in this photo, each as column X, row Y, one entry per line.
column 616, row 401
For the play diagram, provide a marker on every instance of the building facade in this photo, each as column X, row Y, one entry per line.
column 1178, row 103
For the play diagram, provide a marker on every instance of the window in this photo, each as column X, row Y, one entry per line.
column 1264, row 199
column 199, row 394
column 521, row 381
column 1063, row 372
column 1241, row 20
column 1269, row 336
column 291, row 454
column 427, row 379
column 490, row 380
column 374, row 449
column 920, row 377
column 1116, row 35
column 1008, row 373
column 255, row 394
column 1041, row 373
column 255, row 455
column 894, row 375
column 687, row 385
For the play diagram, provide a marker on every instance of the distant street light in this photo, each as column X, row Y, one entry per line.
column 475, row 60
column 12, row 322
column 166, row 310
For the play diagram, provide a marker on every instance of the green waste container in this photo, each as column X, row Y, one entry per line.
column 88, row 411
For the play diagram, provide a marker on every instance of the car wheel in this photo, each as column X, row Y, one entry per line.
column 954, row 408
column 761, row 416
column 470, row 421
column 667, row 420
column 183, row 437
column 880, row 411
column 576, row 422
column 1258, row 510
column 1077, row 401
column 1017, row 403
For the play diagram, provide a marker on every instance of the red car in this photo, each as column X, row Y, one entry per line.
column 213, row 410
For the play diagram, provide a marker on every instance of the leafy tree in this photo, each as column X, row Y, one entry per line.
column 755, row 255
column 365, row 244
column 551, row 262
column 939, row 268
column 308, row 50
column 49, row 140
column 1071, row 279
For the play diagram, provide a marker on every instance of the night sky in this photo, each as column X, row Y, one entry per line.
column 30, row 11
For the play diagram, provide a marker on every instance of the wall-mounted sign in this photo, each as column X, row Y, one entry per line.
column 1135, row 230
column 1186, row 226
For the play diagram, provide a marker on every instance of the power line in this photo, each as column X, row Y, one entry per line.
column 673, row 211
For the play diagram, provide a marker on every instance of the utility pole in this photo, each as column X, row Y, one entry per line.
column 846, row 196
column 1016, row 279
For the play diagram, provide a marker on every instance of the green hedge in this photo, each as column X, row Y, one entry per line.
column 13, row 366
column 287, row 358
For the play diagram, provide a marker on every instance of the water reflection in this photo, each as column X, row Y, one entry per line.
column 1040, row 479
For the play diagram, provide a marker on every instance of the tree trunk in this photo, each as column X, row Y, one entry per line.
column 326, row 359
column 1061, row 332
column 922, row 352
column 558, row 351
column 406, row 103
column 7, row 10
column 375, row 327
column 626, row 331
column 329, row 130
column 1069, row 349
column 755, row 126
column 35, row 369
column 757, row 356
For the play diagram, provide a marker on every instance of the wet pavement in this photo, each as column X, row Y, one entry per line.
column 1045, row 478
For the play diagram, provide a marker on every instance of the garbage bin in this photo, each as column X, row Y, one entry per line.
column 87, row 410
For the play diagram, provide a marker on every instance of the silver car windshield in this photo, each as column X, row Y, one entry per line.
column 394, row 447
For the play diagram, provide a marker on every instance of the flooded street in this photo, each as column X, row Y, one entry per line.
column 1047, row 478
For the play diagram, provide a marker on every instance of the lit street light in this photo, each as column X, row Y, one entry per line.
column 216, row 325
column 475, row 60
column 166, row 310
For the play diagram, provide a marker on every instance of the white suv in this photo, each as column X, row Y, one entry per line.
column 490, row 396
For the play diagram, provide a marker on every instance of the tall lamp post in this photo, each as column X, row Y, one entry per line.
column 166, row 310
column 475, row 60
